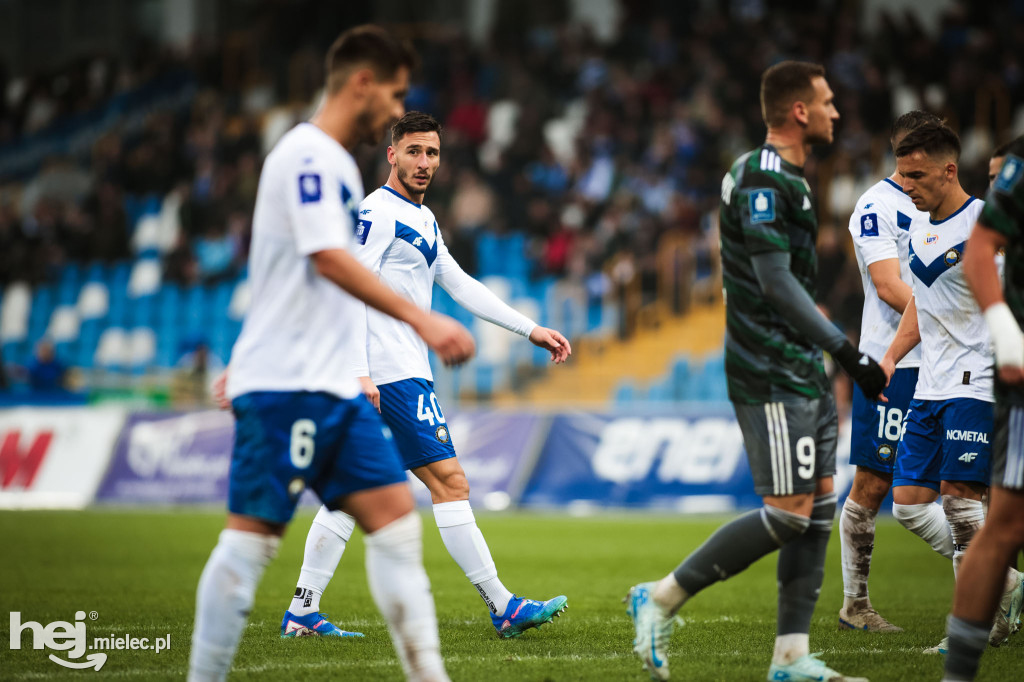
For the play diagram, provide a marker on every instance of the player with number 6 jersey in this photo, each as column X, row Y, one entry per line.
column 300, row 421
column 400, row 242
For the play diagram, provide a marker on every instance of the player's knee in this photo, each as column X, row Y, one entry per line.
column 824, row 507
column 911, row 516
column 337, row 521
column 399, row 537
column 784, row 526
column 869, row 490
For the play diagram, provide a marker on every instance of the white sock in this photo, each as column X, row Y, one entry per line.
column 223, row 600
column 790, row 647
column 857, row 539
column 669, row 595
column 928, row 523
column 401, row 590
column 325, row 543
column 965, row 518
column 464, row 541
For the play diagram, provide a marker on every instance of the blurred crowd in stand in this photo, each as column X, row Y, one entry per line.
column 601, row 153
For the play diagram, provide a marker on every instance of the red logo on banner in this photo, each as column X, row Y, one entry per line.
column 19, row 467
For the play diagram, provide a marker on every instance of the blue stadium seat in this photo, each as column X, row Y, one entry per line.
column 194, row 306
column 711, row 383
column 660, row 391
column 680, row 377
column 95, row 272
column 625, row 392
column 484, row 380
column 88, row 337
column 42, row 308
column 168, row 302
column 488, row 253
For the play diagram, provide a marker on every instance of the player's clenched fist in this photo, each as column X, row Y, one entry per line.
column 450, row 340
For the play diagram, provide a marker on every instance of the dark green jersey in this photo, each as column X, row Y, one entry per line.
column 767, row 206
column 1004, row 213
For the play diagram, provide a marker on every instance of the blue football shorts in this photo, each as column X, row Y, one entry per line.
column 877, row 426
column 287, row 441
column 945, row 440
column 411, row 411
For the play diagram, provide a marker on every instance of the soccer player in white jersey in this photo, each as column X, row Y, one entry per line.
column 300, row 419
column 945, row 448
column 402, row 245
column 999, row 228
column 880, row 226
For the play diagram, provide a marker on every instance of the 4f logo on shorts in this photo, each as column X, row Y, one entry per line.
column 968, row 457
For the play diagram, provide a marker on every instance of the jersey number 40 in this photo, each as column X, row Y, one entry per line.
column 431, row 413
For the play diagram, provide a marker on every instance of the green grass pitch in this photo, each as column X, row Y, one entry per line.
column 137, row 570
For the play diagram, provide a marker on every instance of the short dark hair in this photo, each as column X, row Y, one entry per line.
column 783, row 84
column 909, row 121
column 1015, row 147
column 931, row 138
column 371, row 46
column 414, row 122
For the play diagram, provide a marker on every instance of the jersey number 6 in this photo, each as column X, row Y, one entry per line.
column 302, row 445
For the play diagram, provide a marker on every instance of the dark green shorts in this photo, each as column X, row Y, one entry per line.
column 790, row 443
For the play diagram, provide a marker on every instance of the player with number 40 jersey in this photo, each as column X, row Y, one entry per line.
column 400, row 242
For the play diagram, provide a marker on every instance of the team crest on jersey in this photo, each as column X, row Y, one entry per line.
column 885, row 452
column 762, row 206
column 1011, row 172
column 951, row 257
column 309, row 188
column 441, row 434
column 931, row 238
column 869, row 225
column 363, row 230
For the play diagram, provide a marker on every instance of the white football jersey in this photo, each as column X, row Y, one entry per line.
column 880, row 226
column 400, row 242
column 956, row 354
column 299, row 327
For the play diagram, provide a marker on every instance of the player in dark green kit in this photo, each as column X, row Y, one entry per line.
column 777, row 383
column 981, row 578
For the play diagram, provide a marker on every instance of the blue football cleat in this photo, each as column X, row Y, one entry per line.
column 312, row 625
column 523, row 614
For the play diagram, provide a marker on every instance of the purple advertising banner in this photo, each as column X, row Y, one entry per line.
column 496, row 450
column 171, row 459
column 686, row 459
column 185, row 458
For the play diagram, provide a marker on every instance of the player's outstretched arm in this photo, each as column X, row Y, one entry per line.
column 791, row 300
column 983, row 277
column 551, row 340
column 450, row 340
